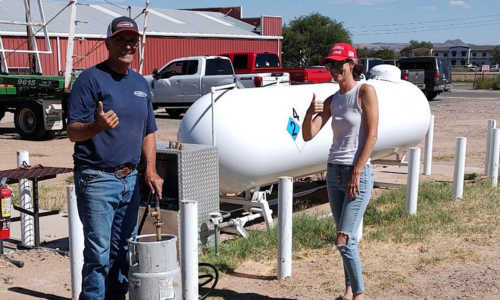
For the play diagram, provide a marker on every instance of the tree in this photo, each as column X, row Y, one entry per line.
column 496, row 54
column 365, row 52
column 307, row 39
column 417, row 48
column 384, row 53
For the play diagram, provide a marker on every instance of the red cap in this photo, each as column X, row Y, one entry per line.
column 340, row 51
column 122, row 24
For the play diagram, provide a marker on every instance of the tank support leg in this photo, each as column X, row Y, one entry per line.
column 259, row 199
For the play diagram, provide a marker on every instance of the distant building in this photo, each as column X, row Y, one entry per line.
column 460, row 56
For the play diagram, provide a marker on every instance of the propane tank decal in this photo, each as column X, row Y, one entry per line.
column 294, row 128
column 166, row 288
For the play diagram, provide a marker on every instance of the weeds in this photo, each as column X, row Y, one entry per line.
column 50, row 197
column 441, row 221
column 484, row 83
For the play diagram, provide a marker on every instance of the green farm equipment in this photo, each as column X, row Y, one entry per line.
column 38, row 102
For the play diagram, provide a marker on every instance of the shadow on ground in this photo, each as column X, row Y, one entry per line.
column 228, row 295
column 35, row 294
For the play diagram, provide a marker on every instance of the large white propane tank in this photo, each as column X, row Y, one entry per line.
column 258, row 131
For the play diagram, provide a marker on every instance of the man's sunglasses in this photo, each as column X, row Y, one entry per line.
column 123, row 42
column 335, row 64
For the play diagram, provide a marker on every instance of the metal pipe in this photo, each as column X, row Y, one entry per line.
column 459, row 170
column 429, row 138
column 143, row 38
column 412, row 181
column 25, row 201
column 76, row 242
column 285, row 215
column 216, row 219
column 69, row 50
column 494, row 160
column 189, row 249
column 491, row 124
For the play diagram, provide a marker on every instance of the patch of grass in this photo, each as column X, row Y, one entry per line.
column 443, row 230
column 471, row 176
column 309, row 232
column 444, row 158
column 485, row 83
column 438, row 213
column 50, row 197
column 38, row 155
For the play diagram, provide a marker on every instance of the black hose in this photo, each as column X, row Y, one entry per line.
column 210, row 276
column 145, row 214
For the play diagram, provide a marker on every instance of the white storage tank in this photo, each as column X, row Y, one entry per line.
column 258, row 131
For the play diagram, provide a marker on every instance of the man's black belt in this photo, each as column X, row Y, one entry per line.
column 120, row 171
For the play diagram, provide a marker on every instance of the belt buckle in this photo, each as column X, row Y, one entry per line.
column 122, row 173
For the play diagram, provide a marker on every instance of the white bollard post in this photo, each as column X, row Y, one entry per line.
column 491, row 124
column 189, row 249
column 412, row 181
column 27, row 221
column 285, row 216
column 429, row 138
column 76, row 242
column 459, row 170
column 494, row 158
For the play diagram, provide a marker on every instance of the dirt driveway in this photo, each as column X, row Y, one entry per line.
column 46, row 274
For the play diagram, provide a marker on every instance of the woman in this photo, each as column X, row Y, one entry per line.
column 354, row 112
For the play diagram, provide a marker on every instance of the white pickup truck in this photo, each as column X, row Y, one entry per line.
column 182, row 81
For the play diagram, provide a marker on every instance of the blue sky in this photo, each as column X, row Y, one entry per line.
column 392, row 21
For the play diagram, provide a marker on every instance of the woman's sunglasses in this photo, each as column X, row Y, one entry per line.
column 335, row 64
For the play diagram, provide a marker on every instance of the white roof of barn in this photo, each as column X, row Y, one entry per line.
column 93, row 19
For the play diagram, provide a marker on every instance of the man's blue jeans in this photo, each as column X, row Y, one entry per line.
column 348, row 216
column 109, row 209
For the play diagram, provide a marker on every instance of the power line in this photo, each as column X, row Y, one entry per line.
column 420, row 30
column 424, row 22
column 109, row 2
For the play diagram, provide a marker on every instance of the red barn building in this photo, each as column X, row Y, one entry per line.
column 169, row 34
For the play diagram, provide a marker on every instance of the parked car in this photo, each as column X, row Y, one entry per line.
column 182, row 81
column 474, row 68
column 495, row 68
column 393, row 62
column 437, row 73
column 369, row 63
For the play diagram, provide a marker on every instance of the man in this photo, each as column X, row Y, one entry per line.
column 110, row 117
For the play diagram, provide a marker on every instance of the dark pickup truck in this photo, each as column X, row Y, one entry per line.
column 437, row 73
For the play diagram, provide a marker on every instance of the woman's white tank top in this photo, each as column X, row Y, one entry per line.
column 348, row 125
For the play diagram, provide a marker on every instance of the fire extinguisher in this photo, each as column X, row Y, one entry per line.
column 5, row 204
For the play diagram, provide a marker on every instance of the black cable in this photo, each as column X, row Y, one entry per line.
column 145, row 214
column 424, row 22
column 109, row 2
column 211, row 277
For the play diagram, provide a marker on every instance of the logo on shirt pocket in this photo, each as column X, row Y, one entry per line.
column 140, row 94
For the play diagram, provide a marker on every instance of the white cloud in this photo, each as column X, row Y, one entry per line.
column 427, row 8
column 359, row 2
column 460, row 3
